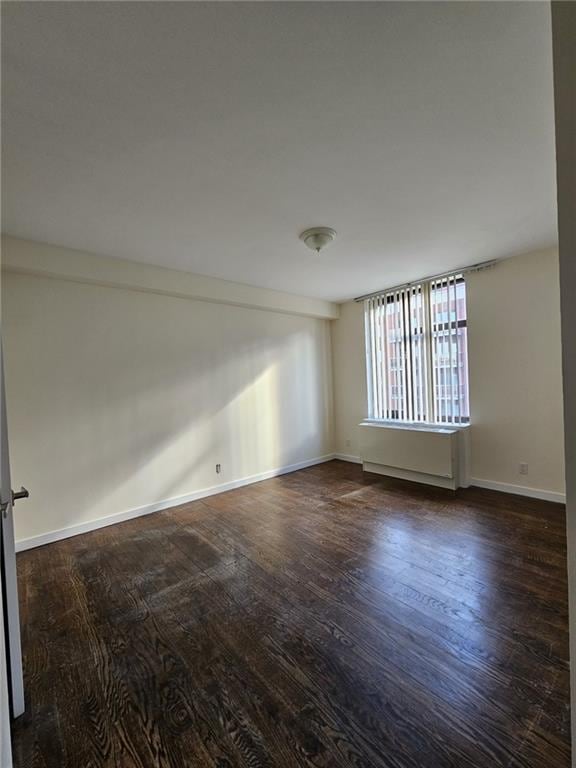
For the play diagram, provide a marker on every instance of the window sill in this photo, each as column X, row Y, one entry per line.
column 414, row 426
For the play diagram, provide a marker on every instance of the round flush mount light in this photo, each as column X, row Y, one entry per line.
column 317, row 238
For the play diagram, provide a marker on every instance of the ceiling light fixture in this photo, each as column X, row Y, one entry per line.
column 317, row 237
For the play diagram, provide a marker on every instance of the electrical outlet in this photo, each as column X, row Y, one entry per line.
column 523, row 468
column 218, row 468
column 348, row 443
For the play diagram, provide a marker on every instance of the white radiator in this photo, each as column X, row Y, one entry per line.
column 437, row 456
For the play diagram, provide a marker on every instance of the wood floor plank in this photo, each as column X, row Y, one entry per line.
column 327, row 618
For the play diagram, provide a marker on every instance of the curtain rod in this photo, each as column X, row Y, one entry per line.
column 462, row 271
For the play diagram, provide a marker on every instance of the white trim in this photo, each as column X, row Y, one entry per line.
column 120, row 517
column 348, row 457
column 519, row 490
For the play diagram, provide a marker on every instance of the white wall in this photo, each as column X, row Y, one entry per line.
column 119, row 398
column 515, row 374
column 349, row 365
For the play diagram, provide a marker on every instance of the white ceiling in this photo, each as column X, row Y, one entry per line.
column 206, row 136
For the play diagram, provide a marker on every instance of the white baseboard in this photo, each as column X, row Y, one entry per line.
column 348, row 457
column 520, row 490
column 120, row 517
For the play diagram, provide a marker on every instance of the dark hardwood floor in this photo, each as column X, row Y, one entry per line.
column 324, row 618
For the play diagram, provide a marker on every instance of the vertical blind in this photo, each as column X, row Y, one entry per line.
column 416, row 351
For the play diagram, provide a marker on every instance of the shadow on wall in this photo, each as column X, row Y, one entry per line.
column 118, row 400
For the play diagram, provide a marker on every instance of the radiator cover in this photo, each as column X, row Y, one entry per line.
column 433, row 455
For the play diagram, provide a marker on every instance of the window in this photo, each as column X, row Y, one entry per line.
column 417, row 353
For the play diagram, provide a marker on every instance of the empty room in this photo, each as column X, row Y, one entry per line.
column 288, row 384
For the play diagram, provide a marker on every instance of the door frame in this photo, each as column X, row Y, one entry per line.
column 5, row 738
column 11, row 612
